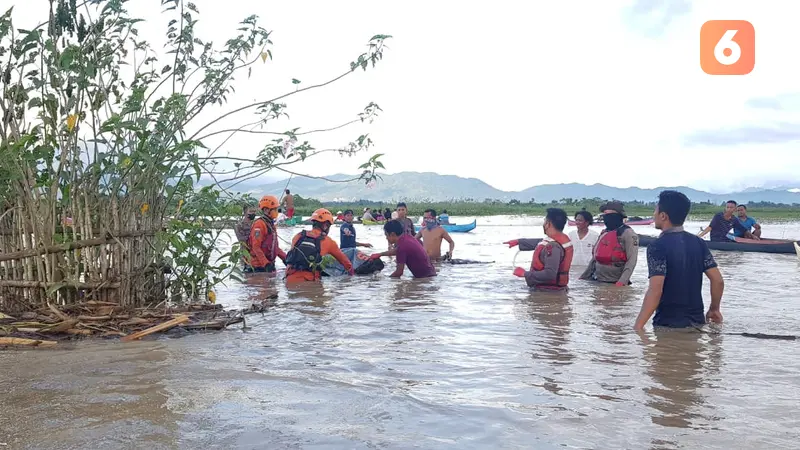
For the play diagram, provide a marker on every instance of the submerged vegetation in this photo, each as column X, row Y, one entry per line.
column 103, row 141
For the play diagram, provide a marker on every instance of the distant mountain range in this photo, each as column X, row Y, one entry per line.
column 429, row 186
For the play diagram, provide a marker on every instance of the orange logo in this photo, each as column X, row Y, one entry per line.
column 727, row 47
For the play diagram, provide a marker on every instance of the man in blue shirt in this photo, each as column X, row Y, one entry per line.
column 676, row 262
column 747, row 222
column 347, row 233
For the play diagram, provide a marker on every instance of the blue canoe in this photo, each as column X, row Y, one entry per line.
column 453, row 228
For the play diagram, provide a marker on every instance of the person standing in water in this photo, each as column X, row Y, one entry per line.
column 347, row 233
column 263, row 241
column 432, row 235
column 402, row 217
column 676, row 263
column 288, row 203
column 303, row 262
column 616, row 251
column 408, row 250
column 242, row 228
column 583, row 239
column 552, row 256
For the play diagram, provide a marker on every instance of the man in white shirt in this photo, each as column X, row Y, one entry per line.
column 583, row 239
column 281, row 216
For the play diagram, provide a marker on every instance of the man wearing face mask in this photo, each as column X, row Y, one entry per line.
column 263, row 242
column 616, row 251
column 242, row 229
column 552, row 256
column 432, row 235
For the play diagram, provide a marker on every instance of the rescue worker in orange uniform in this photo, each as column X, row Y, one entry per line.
column 263, row 242
column 552, row 256
column 616, row 251
column 308, row 248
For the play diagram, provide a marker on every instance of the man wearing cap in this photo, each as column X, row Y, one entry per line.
column 616, row 251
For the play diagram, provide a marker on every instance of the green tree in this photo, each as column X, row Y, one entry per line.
column 102, row 135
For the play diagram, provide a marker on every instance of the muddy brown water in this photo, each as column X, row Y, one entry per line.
column 470, row 359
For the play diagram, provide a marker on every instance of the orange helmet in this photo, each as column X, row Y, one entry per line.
column 322, row 215
column 268, row 201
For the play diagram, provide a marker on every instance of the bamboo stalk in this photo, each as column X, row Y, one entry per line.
column 47, row 284
column 69, row 246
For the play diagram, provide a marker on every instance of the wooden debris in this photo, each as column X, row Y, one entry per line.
column 109, row 320
column 160, row 327
column 27, row 342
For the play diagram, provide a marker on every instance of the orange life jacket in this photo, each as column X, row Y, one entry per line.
column 609, row 249
column 562, row 240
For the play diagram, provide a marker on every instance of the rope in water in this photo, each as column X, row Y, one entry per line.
column 782, row 337
column 514, row 261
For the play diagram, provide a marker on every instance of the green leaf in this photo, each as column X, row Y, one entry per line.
column 295, row 81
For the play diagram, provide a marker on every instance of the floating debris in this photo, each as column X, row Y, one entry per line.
column 47, row 326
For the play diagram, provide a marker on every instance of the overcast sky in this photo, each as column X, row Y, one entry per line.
column 522, row 93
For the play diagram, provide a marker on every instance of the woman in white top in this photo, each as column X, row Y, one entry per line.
column 583, row 239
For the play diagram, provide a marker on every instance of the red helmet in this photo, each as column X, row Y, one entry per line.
column 322, row 215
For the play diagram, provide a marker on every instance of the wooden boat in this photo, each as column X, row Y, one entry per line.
column 632, row 221
column 455, row 228
column 742, row 245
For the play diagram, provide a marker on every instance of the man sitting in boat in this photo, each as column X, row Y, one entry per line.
column 347, row 233
column 552, row 256
column 676, row 263
column 432, row 235
column 748, row 222
column 617, row 249
column 583, row 239
column 444, row 218
column 723, row 222
column 367, row 216
column 304, row 260
column 281, row 217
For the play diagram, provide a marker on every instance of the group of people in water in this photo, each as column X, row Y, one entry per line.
column 677, row 260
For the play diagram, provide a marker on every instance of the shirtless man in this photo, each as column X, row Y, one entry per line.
column 432, row 235
column 288, row 203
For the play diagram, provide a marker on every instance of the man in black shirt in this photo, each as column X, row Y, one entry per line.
column 347, row 233
column 676, row 262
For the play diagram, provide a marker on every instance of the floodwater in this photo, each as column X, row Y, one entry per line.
column 470, row 359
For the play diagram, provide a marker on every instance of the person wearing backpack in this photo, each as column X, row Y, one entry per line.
column 263, row 240
column 303, row 261
column 616, row 251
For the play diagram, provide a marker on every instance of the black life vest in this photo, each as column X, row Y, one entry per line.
column 307, row 251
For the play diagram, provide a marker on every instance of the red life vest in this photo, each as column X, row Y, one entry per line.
column 609, row 249
column 562, row 276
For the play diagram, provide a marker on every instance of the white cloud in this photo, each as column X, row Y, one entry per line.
column 523, row 93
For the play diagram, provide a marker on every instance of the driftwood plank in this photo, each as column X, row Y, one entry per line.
column 26, row 342
column 160, row 327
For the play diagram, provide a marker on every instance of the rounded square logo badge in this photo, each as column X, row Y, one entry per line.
column 727, row 47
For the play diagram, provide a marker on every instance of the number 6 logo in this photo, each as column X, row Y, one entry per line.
column 727, row 47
